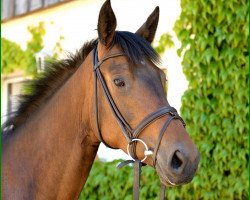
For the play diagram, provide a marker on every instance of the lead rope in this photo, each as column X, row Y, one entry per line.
column 137, row 176
column 162, row 192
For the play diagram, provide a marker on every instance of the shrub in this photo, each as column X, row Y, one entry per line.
column 214, row 37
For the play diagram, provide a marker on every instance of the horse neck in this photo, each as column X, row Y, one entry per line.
column 54, row 150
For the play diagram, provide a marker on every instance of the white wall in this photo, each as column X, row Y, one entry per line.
column 77, row 21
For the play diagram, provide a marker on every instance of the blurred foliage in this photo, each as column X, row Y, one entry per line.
column 214, row 36
column 164, row 43
column 58, row 48
column 14, row 58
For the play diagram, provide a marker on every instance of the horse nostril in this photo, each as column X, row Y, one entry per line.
column 177, row 160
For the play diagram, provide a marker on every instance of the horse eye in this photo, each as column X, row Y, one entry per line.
column 119, row 82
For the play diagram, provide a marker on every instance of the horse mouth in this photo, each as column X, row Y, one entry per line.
column 163, row 177
column 168, row 180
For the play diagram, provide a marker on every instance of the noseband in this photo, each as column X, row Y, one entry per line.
column 130, row 134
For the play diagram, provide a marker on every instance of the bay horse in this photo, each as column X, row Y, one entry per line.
column 112, row 91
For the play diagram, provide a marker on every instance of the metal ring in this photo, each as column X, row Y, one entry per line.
column 138, row 140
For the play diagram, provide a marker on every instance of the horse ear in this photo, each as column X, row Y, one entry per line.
column 148, row 29
column 106, row 24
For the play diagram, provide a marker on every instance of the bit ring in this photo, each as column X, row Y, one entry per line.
column 146, row 152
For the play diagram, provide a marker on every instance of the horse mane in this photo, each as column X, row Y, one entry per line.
column 56, row 73
column 40, row 89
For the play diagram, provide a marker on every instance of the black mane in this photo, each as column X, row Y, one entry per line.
column 57, row 73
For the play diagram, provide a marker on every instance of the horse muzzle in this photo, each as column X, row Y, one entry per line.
column 179, row 168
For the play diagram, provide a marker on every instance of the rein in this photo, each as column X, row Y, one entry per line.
column 131, row 135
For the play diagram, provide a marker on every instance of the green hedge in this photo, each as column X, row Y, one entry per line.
column 214, row 37
column 105, row 182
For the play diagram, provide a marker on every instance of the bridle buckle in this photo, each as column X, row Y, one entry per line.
column 148, row 152
column 172, row 113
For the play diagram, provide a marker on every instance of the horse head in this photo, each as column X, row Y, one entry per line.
column 132, row 111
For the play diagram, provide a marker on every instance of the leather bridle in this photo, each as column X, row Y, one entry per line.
column 130, row 134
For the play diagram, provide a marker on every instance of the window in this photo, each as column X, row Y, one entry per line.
column 12, row 8
column 14, row 89
column 10, row 90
